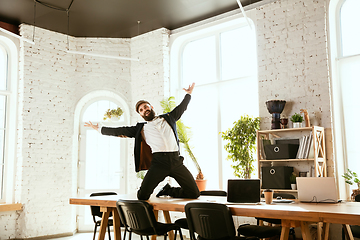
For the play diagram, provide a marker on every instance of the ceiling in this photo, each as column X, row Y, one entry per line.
column 113, row 18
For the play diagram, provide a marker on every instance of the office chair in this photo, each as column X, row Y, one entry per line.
column 210, row 221
column 95, row 212
column 266, row 231
column 182, row 222
column 355, row 229
column 140, row 218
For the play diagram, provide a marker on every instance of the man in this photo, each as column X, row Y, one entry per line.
column 157, row 149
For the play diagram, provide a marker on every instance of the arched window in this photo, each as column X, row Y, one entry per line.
column 102, row 159
column 221, row 60
column 345, row 51
column 8, row 89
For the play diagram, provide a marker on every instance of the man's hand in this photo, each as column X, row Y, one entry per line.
column 89, row 124
column 190, row 88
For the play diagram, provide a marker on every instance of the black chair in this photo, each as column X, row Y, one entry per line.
column 210, row 221
column 266, row 231
column 140, row 218
column 182, row 222
column 96, row 214
column 355, row 229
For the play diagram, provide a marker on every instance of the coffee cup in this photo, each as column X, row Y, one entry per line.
column 268, row 194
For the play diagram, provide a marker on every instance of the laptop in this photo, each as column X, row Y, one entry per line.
column 317, row 189
column 244, row 191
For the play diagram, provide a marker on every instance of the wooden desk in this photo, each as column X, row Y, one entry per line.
column 292, row 215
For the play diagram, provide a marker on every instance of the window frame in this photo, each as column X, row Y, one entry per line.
column 336, row 56
column 8, row 181
column 177, row 44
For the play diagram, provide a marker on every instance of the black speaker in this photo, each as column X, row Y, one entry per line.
column 276, row 177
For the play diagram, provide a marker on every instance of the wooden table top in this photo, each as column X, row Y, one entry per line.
column 342, row 213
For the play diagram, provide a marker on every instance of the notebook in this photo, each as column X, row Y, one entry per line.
column 244, row 191
column 317, row 189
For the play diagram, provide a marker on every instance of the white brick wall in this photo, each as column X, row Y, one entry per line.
column 293, row 62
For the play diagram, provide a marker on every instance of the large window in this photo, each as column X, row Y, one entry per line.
column 346, row 82
column 8, row 80
column 221, row 60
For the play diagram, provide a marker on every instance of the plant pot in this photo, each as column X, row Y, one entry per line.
column 201, row 184
column 296, row 124
column 354, row 193
column 114, row 119
column 293, row 186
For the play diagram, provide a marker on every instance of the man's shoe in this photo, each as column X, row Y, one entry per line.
column 164, row 191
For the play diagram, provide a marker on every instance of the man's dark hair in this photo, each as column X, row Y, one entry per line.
column 139, row 103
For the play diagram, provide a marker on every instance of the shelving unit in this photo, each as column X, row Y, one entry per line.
column 317, row 162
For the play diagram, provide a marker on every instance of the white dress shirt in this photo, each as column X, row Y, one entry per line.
column 159, row 136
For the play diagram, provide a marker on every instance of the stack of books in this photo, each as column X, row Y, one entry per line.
column 306, row 149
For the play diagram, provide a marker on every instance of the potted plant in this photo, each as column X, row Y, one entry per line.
column 184, row 135
column 293, row 181
column 296, row 119
column 241, row 146
column 351, row 178
column 113, row 114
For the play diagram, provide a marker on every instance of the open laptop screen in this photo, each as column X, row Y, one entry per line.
column 317, row 189
column 243, row 190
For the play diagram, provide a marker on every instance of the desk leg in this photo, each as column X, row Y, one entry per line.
column 116, row 224
column 168, row 220
column 104, row 222
column 326, row 230
column 156, row 213
column 347, row 231
column 284, row 233
column 305, row 231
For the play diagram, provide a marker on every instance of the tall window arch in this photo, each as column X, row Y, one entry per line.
column 8, row 107
column 345, row 50
column 221, row 60
column 102, row 160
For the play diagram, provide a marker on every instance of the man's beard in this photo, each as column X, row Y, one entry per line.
column 149, row 117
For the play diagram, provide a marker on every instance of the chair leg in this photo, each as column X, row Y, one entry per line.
column 125, row 234
column 165, row 235
column 181, row 236
column 109, row 232
column 94, row 231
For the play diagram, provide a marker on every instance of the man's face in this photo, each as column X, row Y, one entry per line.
column 146, row 112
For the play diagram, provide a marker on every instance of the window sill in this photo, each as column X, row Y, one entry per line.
column 4, row 207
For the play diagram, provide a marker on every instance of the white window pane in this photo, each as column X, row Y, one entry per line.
column 2, row 111
column 232, row 106
column 199, row 62
column 349, row 20
column 350, row 84
column 95, row 112
column 3, row 68
column 238, row 54
column 102, row 161
column 205, row 127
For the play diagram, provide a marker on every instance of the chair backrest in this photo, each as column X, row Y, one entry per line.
column 138, row 215
column 95, row 210
column 213, row 193
column 209, row 220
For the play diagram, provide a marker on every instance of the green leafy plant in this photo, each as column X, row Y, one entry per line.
column 297, row 118
column 293, row 178
column 351, row 178
column 184, row 133
column 113, row 113
column 141, row 174
column 241, row 146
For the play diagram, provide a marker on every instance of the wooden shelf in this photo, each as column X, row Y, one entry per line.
column 10, row 207
column 317, row 159
column 287, row 160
